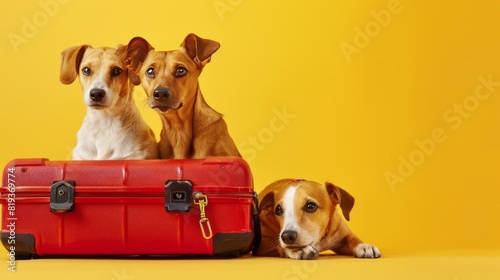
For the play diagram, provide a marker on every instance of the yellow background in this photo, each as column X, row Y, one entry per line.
column 344, row 91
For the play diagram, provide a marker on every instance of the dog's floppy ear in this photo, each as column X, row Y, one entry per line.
column 70, row 63
column 134, row 55
column 199, row 50
column 267, row 203
column 341, row 197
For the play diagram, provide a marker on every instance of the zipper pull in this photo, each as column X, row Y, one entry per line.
column 202, row 200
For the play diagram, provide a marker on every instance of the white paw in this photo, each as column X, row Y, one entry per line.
column 305, row 253
column 364, row 250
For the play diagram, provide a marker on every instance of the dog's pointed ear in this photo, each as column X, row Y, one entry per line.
column 267, row 203
column 135, row 53
column 199, row 50
column 70, row 63
column 341, row 197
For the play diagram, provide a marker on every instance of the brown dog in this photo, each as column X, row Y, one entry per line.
column 191, row 128
column 299, row 220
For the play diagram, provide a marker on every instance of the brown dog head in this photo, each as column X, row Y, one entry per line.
column 300, row 213
column 169, row 78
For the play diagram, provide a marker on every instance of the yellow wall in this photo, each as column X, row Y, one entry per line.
column 395, row 101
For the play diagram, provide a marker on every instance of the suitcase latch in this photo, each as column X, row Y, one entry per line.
column 62, row 196
column 178, row 195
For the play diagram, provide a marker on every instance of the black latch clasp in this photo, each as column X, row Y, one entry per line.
column 62, row 196
column 178, row 196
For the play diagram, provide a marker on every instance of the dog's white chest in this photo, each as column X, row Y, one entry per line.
column 102, row 138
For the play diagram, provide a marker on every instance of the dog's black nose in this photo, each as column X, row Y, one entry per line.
column 97, row 94
column 289, row 236
column 160, row 94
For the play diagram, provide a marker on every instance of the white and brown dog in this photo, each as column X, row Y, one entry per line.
column 113, row 127
column 299, row 220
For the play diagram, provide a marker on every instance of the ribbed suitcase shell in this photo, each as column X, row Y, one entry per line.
column 119, row 208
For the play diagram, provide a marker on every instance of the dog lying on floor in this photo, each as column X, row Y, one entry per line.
column 113, row 127
column 299, row 219
column 191, row 128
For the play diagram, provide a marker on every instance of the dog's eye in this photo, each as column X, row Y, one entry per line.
column 86, row 71
column 278, row 210
column 116, row 72
column 150, row 73
column 310, row 207
column 180, row 72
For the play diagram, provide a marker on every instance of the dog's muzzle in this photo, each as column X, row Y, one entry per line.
column 97, row 98
column 289, row 237
column 97, row 94
column 161, row 94
column 163, row 101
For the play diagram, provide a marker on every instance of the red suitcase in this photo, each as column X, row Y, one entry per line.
column 135, row 207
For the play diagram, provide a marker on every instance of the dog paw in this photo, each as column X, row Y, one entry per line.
column 305, row 253
column 364, row 250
